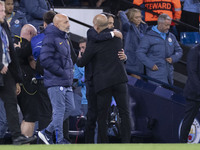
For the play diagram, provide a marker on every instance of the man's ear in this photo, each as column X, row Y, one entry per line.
column 98, row 29
column 56, row 25
column 45, row 24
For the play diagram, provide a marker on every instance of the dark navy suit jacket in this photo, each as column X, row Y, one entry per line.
column 108, row 70
column 94, row 37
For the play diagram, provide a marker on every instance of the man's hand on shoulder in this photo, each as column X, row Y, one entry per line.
column 117, row 34
column 122, row 55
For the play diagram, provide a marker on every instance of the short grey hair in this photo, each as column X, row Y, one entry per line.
column 164, row 17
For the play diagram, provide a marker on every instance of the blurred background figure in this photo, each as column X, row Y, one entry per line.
column 170, row 7
column 67, row 3
column 16, row 19
column 190, row 15
column 34, row 11
column 79, row 74
column 133, row 29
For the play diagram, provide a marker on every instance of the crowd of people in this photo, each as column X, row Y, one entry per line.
column 40, row 71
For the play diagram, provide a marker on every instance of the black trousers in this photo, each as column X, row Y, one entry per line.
column 28, row 101
column 191, row 110
column 91, row 114
column 104, row 97
column 9, row 97
column 45, row 108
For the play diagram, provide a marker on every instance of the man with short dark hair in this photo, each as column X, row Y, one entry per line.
column 45, row 109
column 48, row 17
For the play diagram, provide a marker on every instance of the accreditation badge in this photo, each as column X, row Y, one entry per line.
column 17, row 21
column 169, row 40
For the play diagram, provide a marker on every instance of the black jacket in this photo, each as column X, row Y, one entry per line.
column 13, row 67
column 93, row 37
column 24, row 53
column 108, row 70
column 192, row 86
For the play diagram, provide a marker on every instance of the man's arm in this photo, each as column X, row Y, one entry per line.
column 142, row 51
column 178, row 52
column 177, row 9
column 73, row 53
column 47, row 58
column 87, row 55
column 125, row 22
column 92, row 35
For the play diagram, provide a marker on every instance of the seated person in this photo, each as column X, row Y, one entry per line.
column 16, row 19
column 34, row 11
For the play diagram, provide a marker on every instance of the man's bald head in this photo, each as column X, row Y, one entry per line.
column 100, row 22
column 28, row 31
column 61, row 21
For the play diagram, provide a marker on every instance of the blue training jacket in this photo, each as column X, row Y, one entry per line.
column 17, row 22
column 153, row 50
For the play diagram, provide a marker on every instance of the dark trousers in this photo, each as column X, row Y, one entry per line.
column 9, row 97
column 191, row 110
column 45, row 108
column 91, row 114
column 120, row 93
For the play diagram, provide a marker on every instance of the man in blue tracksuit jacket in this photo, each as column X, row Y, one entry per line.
column 17, row 22
column 16, row 19
column 158, row 50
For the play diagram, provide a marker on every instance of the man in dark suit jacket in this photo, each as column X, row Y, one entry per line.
column 109, row 78
column 191, row 92
column 92, row 37
column 11, row 73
